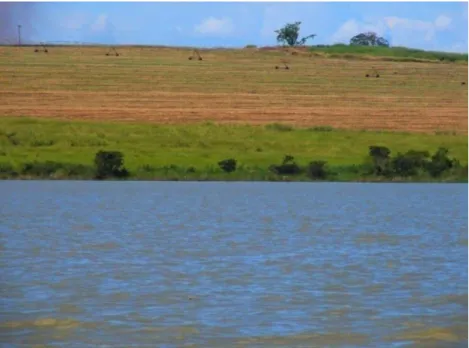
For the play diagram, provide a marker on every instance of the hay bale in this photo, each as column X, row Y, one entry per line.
column 367, row 75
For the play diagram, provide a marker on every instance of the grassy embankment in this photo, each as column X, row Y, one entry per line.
column 402, row 54
column 168, row 151
column 152, row 104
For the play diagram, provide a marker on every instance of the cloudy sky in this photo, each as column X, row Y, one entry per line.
column 430, row 25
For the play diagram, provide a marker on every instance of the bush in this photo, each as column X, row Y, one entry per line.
column 321, row 129
column 380, row 158
column 288, row 167
column 7, row 170
column 110, row 164
column 440, row 162
column 317, row 170
column 228, row 165
column 40, row 169
column 280, row 127
column 49, row 168
column 410, row 163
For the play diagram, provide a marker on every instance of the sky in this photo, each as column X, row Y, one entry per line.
column 439, row 26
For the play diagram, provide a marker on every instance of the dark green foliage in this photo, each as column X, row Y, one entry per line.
column 39, row 143
column 368, row 39
column 440, row 162
column 279, row 127
column 40, row 169
column 50, row 168
column 321, row 129
column 228, row 165
column 317, row 170
column 7, row 170
column 380, row 158
column 190, row 170
column 410, row 163
column 288, row 167
column 289, row 35
column 110, row 164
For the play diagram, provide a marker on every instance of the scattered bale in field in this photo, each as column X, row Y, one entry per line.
column 395, row 72
column 463, row 83
column 367, row 75
column 285, row 65
column 42, row 49
column 195, row 54
column 112, row 51
column 377, row 75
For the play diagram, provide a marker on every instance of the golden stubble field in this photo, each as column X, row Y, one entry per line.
column 161, row 85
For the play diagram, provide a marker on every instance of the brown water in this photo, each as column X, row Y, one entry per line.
column 147, row 264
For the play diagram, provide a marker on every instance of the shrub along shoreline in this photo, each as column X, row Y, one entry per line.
column 50, row 149
column 379, row 166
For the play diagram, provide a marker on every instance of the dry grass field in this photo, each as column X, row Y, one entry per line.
column 160, row 85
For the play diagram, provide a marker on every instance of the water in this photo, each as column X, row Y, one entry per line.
column 147, row 264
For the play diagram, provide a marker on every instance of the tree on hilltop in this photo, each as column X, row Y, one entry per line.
column 369, row 39
column 289, row 35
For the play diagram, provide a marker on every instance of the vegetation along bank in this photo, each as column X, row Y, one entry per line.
column 35, row 148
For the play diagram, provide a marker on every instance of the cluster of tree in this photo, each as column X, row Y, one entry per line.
column 314, row 170
column 410, row 163
column 110, row 164
column 369, row 39
column 289, row 34
column 407, row 164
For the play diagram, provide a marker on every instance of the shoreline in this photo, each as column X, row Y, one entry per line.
column 238, row 180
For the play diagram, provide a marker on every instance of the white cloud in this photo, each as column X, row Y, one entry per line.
column 401, row 31
column 215, row 26
column 352, row 27
column 443, row 22
column 100, row 23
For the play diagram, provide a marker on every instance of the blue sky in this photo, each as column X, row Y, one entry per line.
column 425, row 25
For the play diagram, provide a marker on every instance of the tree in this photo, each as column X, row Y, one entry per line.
column 228, row 165
column 317, row 170
column 368, row 39
column 380, row 157
column 410, row 163
column 110, row 164
column 440, row 162
column 289, row 35
column 288, row 167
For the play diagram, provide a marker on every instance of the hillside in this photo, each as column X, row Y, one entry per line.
column 160, row 85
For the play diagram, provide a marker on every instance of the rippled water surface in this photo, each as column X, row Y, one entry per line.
column 148, row 264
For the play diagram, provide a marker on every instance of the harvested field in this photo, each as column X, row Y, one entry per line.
column 161, row 85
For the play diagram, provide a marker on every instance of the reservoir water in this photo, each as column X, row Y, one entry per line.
column 171, row 264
